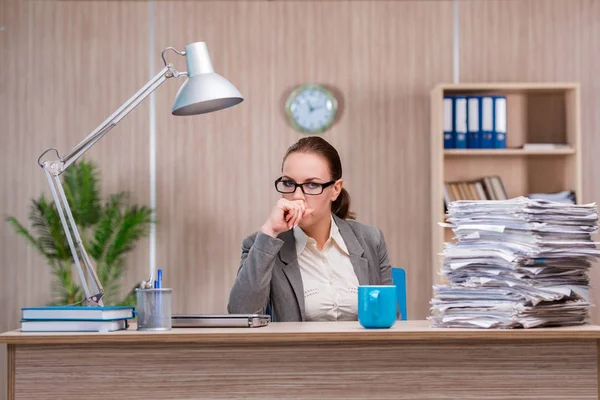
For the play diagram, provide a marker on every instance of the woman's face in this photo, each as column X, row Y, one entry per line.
column 308, row 167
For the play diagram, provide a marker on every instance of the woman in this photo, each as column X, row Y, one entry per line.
column 309, row 257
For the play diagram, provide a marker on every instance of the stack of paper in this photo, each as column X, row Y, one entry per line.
column 516, row 263
column 565, row 196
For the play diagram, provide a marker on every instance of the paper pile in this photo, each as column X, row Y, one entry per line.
column 565, row 196
column 516, row 263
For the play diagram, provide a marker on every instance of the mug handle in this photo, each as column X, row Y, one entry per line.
column 373, row 303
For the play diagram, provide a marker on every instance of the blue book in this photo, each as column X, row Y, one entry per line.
column 72, row 313
column 473, row 123
column 448, row 122
column 500, row 122
column 460, row 122
column 487, row 122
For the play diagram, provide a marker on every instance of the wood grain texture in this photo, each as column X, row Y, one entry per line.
column 540, row 41
column 10, row 368
column 66, row 66
column 598, row 364
column 298, row 332
column 17, row 187
column 64, row 75
column 508, row 152
column 520, row 175
column 216, row 171
column 508, row 86
column 343, row 370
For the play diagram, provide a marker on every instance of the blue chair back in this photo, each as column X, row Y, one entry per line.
column 399, row 277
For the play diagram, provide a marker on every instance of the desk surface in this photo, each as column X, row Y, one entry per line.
column 302, row 332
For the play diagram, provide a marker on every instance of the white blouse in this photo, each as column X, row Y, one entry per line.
column 330, row 283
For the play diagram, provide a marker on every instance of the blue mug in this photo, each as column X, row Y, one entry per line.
column 377, row 306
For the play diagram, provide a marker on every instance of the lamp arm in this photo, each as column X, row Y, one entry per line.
column 57, row 167
column 54, row 168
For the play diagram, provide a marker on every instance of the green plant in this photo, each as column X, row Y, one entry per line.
column 108, row 231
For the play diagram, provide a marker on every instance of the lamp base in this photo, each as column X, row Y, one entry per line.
column 95, row 300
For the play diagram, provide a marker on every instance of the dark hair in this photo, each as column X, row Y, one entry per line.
column 318, row 145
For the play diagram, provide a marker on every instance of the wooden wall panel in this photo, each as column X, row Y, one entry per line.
column 540, row 41
column 215, row 171
column 66, row 66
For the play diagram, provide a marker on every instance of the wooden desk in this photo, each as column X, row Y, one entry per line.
column 307, row 360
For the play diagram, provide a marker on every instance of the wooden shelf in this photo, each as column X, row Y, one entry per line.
column 508, row 87
column 508, row 152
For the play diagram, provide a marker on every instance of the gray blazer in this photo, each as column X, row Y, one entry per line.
column 269, row 273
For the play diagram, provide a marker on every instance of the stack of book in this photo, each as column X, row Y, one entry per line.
column 518, row 263
column 75, row 319
column 492, row 188
column 487, row 188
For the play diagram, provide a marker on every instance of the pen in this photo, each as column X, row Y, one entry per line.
column 158, row 303
column 158, row 281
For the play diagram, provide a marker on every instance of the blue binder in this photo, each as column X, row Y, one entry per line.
column 448, row 122
column 500, row 122
column 487, row 122
column 473, row 123
column 460, row 122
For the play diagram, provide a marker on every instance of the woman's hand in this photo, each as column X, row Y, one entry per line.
column 285, row 215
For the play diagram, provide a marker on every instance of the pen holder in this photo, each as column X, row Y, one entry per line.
column 153, row 309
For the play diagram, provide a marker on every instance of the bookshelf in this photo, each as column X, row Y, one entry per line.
column 536, row 113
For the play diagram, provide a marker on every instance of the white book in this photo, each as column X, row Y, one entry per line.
column 545, row 146
column 73, row 326
column 77, row 313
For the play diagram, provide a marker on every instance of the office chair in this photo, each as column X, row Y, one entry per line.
column 399, row 278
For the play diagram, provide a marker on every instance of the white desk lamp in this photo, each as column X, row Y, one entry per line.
column 203, row 91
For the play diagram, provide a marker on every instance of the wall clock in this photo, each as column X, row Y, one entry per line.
column 311, row 108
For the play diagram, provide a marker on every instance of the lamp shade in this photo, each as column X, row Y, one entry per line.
column 204, row 90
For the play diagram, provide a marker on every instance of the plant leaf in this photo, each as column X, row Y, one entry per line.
column 135, row 224
column 116, row 228
column 51, row 235
column 22, row 231
column 65, row 290
column 110, row 275
column 82, row 190
column 107, row 226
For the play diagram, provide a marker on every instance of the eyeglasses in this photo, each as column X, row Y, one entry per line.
column 309, row 188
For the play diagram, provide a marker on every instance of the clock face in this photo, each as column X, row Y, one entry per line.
column 311, row 109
